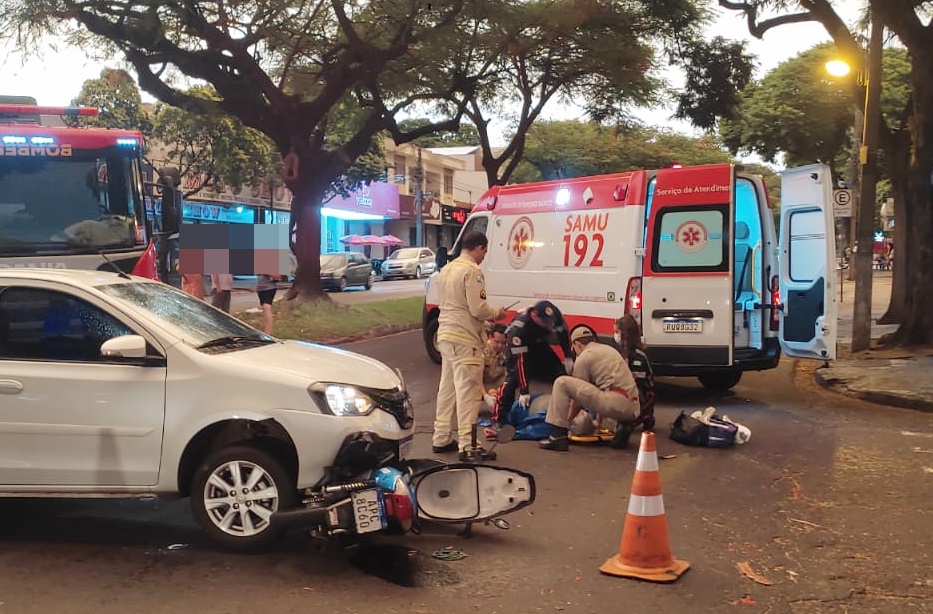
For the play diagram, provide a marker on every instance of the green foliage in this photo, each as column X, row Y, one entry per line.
column 116, row 95
column 573, row 149
column 466, row 135
column 798, row 110
column 214, row 146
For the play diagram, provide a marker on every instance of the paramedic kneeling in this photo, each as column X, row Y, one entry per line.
column 601, row 382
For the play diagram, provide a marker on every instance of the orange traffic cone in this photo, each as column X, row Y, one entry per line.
column 645, row 552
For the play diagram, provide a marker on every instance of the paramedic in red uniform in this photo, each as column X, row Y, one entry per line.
column 528, row 344
column 461, row 342
column 601, row 383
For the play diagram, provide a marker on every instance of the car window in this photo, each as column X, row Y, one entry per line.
column 42, row 324
column 426, row 254
column 188, row 318
column 333, row 261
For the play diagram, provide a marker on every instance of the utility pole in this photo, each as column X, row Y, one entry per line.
column 868, row 156
column 418, row 177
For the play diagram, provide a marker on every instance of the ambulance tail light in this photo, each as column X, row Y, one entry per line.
column 775, row 323
column 633, row 298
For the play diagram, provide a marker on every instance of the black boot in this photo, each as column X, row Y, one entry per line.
column 621, row 437
column 556, row 443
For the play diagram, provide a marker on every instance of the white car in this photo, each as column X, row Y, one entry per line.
column 112, row 385
column 413, row 262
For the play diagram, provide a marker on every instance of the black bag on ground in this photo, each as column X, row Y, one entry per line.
column 689, row 431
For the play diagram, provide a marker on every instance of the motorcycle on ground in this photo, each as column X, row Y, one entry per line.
column 394, row 497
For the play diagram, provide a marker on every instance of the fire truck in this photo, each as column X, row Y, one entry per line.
column 71, row 197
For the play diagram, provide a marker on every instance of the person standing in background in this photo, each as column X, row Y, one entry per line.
column 265, row 289
column 192, row 283
column 221, row 289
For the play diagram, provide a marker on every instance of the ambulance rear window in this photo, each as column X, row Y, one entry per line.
column 691, row 239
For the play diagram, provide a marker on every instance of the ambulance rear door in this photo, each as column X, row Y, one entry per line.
column 807, row 248
column 687, row 279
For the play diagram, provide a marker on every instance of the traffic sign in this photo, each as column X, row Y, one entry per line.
column 842, row 203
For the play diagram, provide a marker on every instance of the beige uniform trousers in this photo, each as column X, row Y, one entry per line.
column 604, row 402
column 460, row 393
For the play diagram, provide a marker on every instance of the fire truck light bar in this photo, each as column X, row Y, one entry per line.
column 21, row 109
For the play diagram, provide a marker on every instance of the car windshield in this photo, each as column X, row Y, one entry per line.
column 333, row 261
column 188, row 318
column 84, row 202
column 404, row 254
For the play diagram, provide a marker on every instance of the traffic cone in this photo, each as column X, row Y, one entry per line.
column 645, row 552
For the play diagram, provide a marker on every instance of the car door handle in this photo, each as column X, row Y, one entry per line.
column 10, row 386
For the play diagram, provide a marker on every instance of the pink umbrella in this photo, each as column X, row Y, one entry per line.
column 392, row 240
column 352, row 240
column 372, row 240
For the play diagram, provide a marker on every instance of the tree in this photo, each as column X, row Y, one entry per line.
column 908, row 151
column 282, row 67
column 598, row 54
column 215, row 147
column 561, row 149
column 116, row 95
column 466, row 135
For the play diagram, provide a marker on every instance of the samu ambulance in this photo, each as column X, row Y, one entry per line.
column 692, row 253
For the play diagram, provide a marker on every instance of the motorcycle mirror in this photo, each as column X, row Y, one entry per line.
column 506, row 434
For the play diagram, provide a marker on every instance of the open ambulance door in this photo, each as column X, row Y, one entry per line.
column 687, row 272
column 807, row 264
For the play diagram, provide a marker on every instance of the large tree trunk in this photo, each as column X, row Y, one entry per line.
column 308, row 191
column 917, row 325
column 897, row 157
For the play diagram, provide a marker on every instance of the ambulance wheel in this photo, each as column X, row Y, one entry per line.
column 719, row 381
column 430, row 339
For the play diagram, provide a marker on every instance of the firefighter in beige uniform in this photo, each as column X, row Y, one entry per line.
column 601, row 382
column 460, row 340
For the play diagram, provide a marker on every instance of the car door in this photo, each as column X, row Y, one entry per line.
column 427, row 261
column 357, row 267
column 807, row 264
column 68, row 417
column 687, row 283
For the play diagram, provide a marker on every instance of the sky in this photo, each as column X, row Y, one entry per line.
column 55, row 77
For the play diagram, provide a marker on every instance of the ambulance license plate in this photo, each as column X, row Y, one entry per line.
column 683, row 326
column 368, row 511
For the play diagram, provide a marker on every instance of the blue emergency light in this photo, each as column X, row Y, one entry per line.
column 127, row 142
column 14, row 140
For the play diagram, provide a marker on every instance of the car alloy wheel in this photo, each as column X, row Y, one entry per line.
column 234, row 493
column 418, row 272
column 343, row 284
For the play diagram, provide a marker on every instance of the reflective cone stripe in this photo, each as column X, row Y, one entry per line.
column 645, row 550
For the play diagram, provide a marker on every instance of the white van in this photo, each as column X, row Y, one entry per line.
column 691, row 252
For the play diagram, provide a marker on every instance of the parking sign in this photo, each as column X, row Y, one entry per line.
column 842, row 203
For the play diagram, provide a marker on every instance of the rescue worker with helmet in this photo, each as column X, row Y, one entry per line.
column 461, row 342
column 601, row 383
column 528, row 344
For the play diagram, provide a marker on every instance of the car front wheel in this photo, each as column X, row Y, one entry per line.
column 234, row 493
column 343, row 285
column 418, row 272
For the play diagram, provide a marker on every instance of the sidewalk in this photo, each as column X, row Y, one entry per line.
column 889, row 377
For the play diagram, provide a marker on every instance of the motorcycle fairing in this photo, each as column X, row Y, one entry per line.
column 464, row 492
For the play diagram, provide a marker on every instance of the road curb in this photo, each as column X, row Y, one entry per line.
column 842, row 387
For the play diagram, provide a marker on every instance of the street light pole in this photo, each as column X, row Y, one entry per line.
column 868, row 157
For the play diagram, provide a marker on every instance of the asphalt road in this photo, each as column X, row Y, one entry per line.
column 831, row 502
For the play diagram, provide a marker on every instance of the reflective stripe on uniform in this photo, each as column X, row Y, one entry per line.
column 639, row 505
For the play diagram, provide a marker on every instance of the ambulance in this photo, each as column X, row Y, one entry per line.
column 691, row 252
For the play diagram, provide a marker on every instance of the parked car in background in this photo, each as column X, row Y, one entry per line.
column 340, row 270
column 412, row 262
column 118, row 386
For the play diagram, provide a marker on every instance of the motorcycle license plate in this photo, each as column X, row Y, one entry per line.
column 368, row 511
column 683, row 326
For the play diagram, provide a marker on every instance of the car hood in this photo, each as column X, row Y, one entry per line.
column 321, row 363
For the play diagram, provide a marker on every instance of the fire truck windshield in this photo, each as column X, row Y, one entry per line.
column 86, row 202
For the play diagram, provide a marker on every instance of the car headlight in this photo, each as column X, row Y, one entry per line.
column 347, row 401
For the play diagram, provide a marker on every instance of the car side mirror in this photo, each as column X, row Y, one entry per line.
column 440, row 258
column 124, row 346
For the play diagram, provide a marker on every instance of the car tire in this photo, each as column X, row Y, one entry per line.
column 430, row 339
column 369, row 280
column 243, row 531
column 343, row 285
column 720, row 381
column 418, row 272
